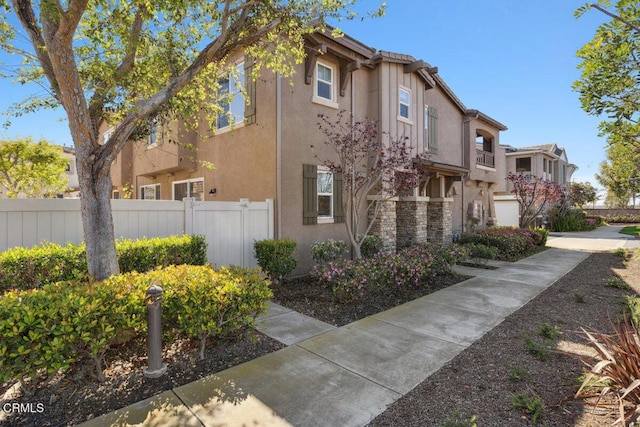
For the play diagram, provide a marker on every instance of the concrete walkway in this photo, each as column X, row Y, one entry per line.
column 346, row 376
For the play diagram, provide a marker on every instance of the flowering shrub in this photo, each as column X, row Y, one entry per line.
column 329, row 250
column 371, row 245
column 413, row 267
column 512, row 242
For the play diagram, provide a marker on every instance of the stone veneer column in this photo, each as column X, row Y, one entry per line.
column 440, row 228
column 385, row 224
column 411, row 220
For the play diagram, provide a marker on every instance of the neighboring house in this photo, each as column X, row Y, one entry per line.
column 262, row 149
column 73, row 187
column 547, row 161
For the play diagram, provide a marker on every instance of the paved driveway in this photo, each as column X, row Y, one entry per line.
column 602, row 239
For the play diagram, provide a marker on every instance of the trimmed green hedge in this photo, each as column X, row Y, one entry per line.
column 45, row 331
column 22, row 268
column 511, row 242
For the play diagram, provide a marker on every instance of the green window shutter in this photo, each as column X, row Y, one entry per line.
column 338, row 208
column 433, row 130
column 309, row 194
column 250, row 88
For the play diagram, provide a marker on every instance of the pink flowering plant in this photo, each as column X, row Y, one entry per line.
column 414, row 266
column 534, row 195
column 371, row 164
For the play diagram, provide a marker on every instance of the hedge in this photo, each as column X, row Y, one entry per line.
column 22, row 268
column 45, row 331
column 511, row 242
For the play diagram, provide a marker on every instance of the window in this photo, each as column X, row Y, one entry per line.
column 150, row 192
column 430, row 130
column 152, row 139
column 230, row 98
column 523, row 164
column 322, row 196
column 115, row 194
column 484, row 142
column 404, row 106
column 324, row 91
column 189, row 188
column 325, row 195
column 106, row 136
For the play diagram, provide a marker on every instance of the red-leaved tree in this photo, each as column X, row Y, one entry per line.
column 371, row 164
column 534, row 195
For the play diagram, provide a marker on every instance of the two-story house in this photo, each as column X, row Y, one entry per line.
column 262, row 149
column 547, row 161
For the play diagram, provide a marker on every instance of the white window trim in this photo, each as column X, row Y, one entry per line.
column 173, row 186
column 402, row 119
column 233, row 124
column 331, row 103
column 149, row 185
column 425, row 137
column 106, row 136
column 326, row 219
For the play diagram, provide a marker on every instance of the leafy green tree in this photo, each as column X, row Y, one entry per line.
column 128, row 63
column 620, row 174
column 609, row 85
column 582, row 193
column 32, row 169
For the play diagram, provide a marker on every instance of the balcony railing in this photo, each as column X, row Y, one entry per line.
column 484, row 158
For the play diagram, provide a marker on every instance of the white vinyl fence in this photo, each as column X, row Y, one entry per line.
column 229, row 227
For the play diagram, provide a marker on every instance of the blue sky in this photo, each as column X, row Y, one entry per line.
column 513, row 60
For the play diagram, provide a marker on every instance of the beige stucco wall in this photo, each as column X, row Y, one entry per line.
column 298, row 133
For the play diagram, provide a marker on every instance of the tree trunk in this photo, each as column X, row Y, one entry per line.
column 97, row 222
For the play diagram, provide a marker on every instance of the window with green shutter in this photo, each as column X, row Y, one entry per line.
column 321, row 196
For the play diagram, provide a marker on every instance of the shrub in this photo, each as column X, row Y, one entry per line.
column 45, row 331
column 371, row 246
column 481, row 254
column 22, row 268
column 329, row 250
column 543, row 234
column 573, row 220
column 203, row 303
column 411, row 267
column 531, row 405
column 512, row 242
column 275, row 257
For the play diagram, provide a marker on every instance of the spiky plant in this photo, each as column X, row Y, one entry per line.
column 616, row 370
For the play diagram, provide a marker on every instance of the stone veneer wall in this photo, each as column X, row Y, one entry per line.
column 411, row 221
column 385, row 224
column 440, row 228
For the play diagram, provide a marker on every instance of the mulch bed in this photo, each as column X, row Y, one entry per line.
column 480, row 381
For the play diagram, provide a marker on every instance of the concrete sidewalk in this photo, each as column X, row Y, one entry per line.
column 346, row 376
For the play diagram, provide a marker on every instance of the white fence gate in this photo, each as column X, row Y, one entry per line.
column 229, row 227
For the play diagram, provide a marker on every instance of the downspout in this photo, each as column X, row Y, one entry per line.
column 278, row 156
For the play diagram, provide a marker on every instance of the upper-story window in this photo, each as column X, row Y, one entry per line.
column 430, row 129
column 404, row 104
column 484, row 149
column 230, row 98
column 106, row 136
column 523, row 164
column 324, row 91
column 152, row 140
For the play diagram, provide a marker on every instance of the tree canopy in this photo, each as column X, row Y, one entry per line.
column 582, row 193
column 125, row 63
column 609, row 84
column 32, row 169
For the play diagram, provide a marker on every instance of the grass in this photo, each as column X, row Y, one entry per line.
column 456, row 420
column 579, row 298
column 538, row 350
column 549, row 332
column 631, row 230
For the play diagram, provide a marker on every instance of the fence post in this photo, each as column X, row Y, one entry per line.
column 154, row 333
